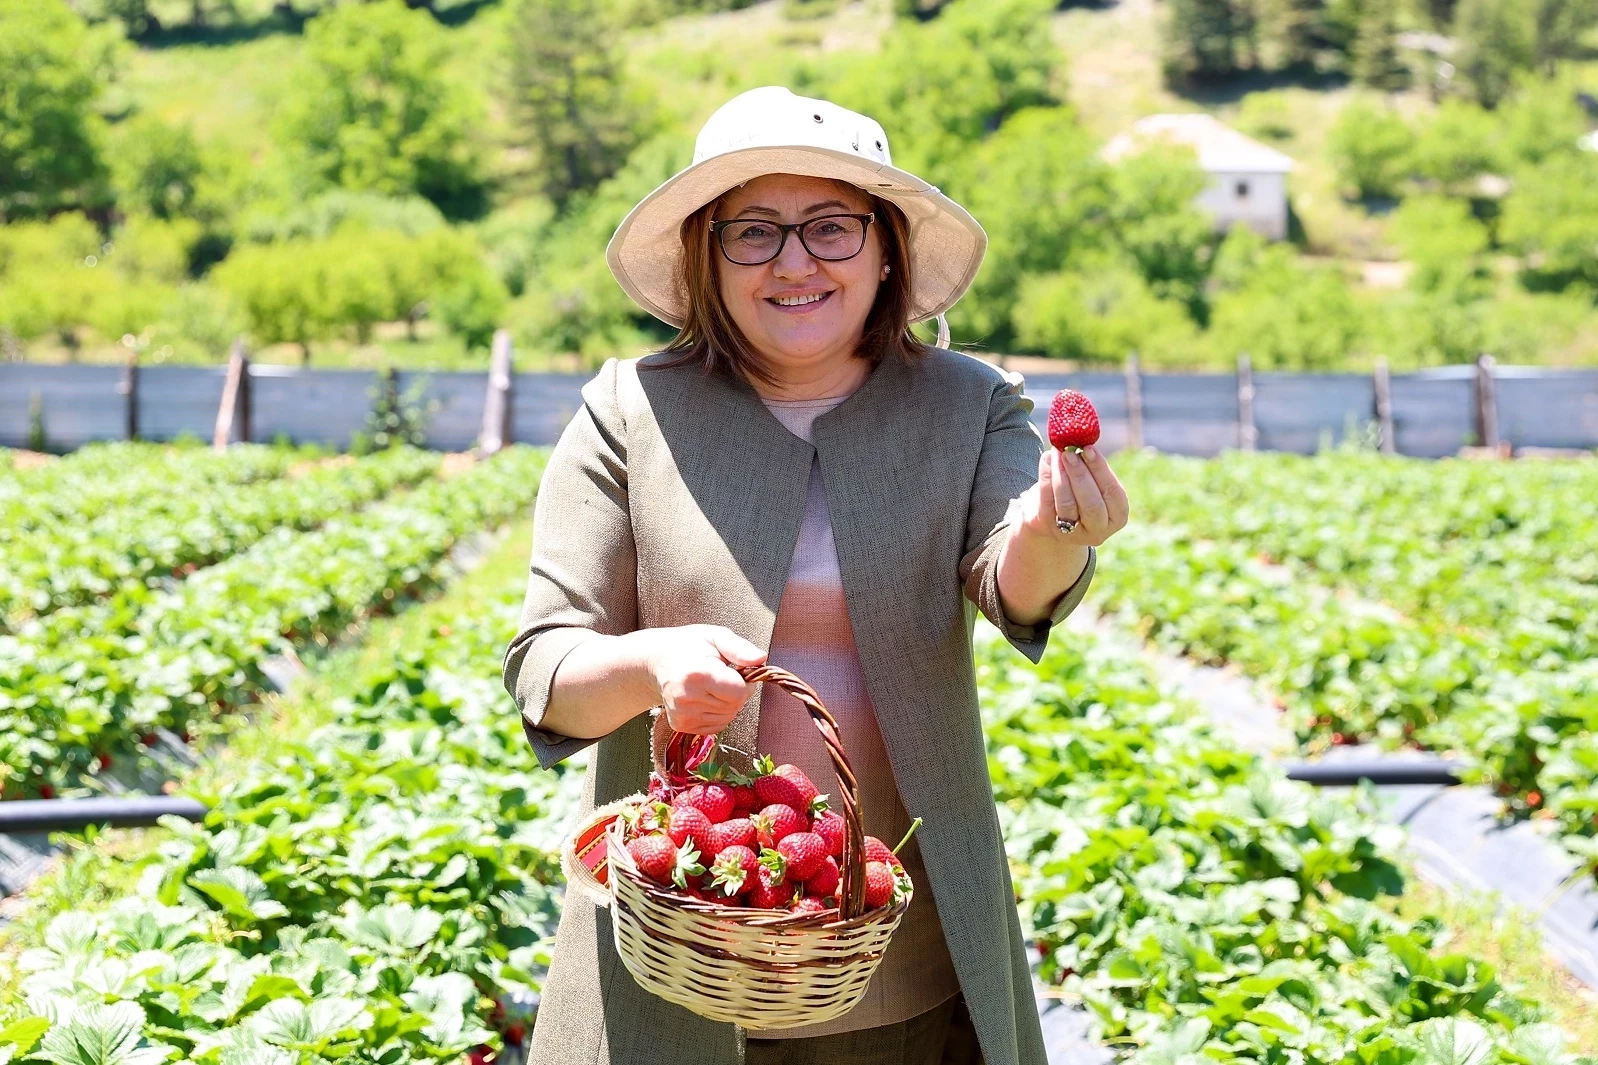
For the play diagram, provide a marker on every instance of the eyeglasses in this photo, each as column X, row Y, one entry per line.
column 752, row 241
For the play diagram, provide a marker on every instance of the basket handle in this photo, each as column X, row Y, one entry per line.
column 683, row 752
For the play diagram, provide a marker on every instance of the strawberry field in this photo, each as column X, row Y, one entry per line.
column 377, row 878
column 1451, row 606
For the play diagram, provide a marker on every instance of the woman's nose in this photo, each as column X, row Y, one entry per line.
column 793, row 261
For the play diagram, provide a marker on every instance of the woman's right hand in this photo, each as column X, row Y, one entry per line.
column 692, row 666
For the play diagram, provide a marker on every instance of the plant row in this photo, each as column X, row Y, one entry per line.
column 1203, row 907
column 370, row 893
column 87, row 686
column 130, row 551
column 99, row 479
column 1347, row 670
column 1503, row 549
column 363, row 895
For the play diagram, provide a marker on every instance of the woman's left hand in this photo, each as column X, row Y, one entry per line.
column 1080, row 488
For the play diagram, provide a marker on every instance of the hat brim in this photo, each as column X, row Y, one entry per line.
column 946, row 243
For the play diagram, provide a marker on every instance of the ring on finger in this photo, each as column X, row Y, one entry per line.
column 1065, row 525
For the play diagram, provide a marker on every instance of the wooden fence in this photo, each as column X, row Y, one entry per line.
column 1431, row 413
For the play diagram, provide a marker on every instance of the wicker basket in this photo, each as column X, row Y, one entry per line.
column 760, row 969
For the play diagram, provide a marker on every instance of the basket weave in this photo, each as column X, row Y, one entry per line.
column 759, row 969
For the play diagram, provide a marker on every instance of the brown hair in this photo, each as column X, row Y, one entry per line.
column 709, row 336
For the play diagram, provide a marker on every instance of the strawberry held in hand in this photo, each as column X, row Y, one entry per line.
column 1072, row 420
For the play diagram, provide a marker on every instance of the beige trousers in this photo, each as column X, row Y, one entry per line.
column 941, row 1036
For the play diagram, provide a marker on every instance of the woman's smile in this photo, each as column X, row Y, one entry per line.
column 800, row 302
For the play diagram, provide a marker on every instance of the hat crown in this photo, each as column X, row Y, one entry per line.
column 774, row 117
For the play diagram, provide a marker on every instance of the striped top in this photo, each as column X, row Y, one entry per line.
column 812, row 638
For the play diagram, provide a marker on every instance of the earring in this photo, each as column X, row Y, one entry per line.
column 886, row 270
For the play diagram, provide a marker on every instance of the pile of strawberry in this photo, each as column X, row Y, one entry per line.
column 764, row 840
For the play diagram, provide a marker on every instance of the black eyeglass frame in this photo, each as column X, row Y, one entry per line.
column 785, row 228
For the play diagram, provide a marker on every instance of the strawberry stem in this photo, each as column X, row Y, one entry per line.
column 913, row 826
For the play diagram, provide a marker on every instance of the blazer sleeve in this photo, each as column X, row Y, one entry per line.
column 1008, row 466
column 583, row 577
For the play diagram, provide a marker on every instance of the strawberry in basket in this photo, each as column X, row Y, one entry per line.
column 766, row 840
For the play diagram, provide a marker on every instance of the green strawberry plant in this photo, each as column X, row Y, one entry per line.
column 84, row 688
column 135, row 547
column 1444, row 605
column 366, row 894
column 1202, row 906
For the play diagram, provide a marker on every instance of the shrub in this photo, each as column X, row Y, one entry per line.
column 1101, row 312
column 1370, row 144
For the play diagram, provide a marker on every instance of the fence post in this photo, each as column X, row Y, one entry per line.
column 1486, row 403
column 232, row 390
column 1134, row 403
column 497, row 426
column 1384, row 406
column 129, row 389
column 1248, row 434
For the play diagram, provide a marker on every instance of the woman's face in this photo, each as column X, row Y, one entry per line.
column 813, row 333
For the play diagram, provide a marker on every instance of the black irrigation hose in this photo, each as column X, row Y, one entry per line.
column 1342, row 773
column 72, row 815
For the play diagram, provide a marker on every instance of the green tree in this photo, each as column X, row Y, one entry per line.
column 1157, row 225
column 1552, row 218
column 1370, row 145
column 1205, row 39
column 1292, row 31
column 158, row 167
column 1541, row 119
column 50, row 136
column 1559, row 27
column 375, row 109
column 1286, row 315
column 1495, row 40
column 1099, row 311
column 1044, row 196
column 941, row 87
column 1458, row 143
column 1378, row 63
column 1444, row 244
column 568, row 90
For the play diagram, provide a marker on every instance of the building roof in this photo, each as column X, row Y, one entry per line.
column 1220, row 148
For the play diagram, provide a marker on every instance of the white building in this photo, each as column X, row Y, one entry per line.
column 1248, row 180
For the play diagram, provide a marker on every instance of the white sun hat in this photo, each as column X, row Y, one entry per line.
column 772, row 131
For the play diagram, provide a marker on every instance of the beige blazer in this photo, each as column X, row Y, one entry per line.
column 673, row 498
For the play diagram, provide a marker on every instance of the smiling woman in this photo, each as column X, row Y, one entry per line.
column 841, row 287
column 796, row 480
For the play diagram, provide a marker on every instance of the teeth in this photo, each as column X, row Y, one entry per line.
column 796, row 301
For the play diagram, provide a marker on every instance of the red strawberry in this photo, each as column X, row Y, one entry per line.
column 809, row 904
column 778, row 784
column 713, row 800
column 690, row 823
column 744, row 800
column 1072, row 420
column 777, row 821
column 804, row 853
column 655, row 855
column 659, row 859
column 830, row 827
column 878, row 851
column 880, row 884
column 735, row 831
column 771, row 891
column 824, row 881
column 808, row 792
column 46, row 791
column 735, row 870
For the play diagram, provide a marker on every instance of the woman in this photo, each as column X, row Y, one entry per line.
column 795, row 477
